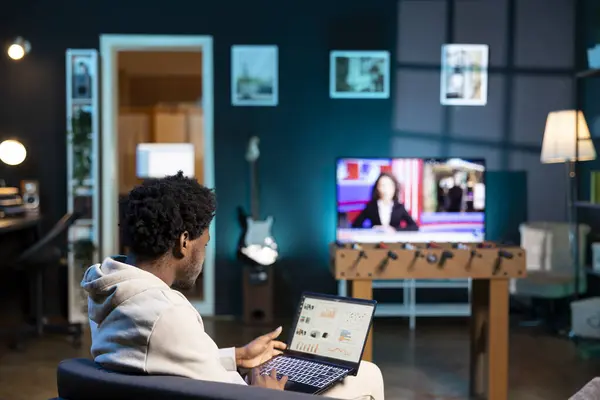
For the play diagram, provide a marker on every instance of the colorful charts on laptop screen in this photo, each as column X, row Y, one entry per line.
column 331, row 328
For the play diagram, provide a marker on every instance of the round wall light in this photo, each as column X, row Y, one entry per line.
column 18, row 49
column 12, row 152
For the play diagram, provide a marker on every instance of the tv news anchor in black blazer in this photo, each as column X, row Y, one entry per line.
column 384, row 211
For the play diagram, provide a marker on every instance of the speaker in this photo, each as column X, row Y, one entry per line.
column 258, row 295
column 30, row 192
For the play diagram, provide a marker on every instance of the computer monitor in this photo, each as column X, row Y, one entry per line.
column 410, row 200
column 157, row 160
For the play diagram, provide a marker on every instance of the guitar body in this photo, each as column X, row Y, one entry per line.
column 257, row 244
column 258, row 232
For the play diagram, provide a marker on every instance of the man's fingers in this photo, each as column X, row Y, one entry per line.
column 271, row 335
column 273, row 374
column 277, row 352
column 283, row 380
column 255, row 374
column 279, row 345
column 275, row 334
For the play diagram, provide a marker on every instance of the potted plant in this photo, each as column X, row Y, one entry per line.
column 81, row 142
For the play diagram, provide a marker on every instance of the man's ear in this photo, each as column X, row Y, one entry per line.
column 183, row 245
column 184, row 239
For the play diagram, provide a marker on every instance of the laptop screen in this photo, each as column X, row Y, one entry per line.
column 332, row 328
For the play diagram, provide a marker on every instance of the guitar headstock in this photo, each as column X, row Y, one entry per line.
column 253, row 152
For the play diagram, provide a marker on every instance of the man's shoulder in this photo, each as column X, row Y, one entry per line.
column 171, row 297
column 161, row 300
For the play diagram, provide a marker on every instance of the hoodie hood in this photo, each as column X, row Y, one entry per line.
column 111, row 283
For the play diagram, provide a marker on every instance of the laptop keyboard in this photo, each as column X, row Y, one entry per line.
column 303, row 371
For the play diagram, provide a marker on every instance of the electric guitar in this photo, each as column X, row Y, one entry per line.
column 257, row 244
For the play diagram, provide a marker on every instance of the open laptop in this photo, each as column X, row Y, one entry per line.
column 326, row 344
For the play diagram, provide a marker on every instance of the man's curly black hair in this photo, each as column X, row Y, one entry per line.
column 158, row 211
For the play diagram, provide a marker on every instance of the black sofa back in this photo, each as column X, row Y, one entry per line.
column 83, row 379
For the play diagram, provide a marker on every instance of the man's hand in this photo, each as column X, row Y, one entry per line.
column 268, row 381
column 260, row 350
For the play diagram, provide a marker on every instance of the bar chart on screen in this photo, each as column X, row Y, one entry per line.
column 307, row 347
column 328, row 313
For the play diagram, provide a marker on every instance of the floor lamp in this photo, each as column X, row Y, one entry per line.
column 567, row 140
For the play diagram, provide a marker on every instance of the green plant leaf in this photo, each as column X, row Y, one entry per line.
column 81, row 143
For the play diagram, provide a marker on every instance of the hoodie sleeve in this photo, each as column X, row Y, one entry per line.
column 179, row 346
column 227, row 358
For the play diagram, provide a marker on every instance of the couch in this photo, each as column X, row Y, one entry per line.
column 83, row 379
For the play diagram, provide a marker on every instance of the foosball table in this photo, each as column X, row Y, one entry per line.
column 490, row 266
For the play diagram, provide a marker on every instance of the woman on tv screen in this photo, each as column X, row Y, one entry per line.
column 384, row 211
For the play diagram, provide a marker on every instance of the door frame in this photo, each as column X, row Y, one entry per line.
column 110, row 45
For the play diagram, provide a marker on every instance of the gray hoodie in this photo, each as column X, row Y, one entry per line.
column 139, row 324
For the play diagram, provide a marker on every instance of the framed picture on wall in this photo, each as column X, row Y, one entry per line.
column 254, row 75
column 464, row 75
column 359, row 75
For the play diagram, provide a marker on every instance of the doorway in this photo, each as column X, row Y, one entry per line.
column 157, row 89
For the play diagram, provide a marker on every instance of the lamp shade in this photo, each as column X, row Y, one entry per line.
column 559, row 142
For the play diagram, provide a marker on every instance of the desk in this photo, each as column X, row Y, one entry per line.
column 12, row 224
column 490, row 270
column 16, row 235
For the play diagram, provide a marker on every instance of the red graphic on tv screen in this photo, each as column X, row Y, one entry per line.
column 352, row 171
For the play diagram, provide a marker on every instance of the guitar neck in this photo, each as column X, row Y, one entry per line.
column 254, row 205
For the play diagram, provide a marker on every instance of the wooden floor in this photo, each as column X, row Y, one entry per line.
column 431, row 363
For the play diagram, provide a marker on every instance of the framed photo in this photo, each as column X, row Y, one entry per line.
column 254, row 76
column 359, row 75
column 464, row 75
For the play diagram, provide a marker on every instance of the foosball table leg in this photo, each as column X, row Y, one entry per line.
column 363, row 289
column 489, row 338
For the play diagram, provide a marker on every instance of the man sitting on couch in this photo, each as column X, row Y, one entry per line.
column 140, row 324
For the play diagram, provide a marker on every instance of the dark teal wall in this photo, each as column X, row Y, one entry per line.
column 300, row 138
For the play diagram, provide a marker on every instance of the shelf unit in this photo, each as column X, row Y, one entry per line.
column 82, row 172
column 574, row 189
column 409, row 307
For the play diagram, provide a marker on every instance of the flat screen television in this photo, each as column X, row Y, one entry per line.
column 410, row 200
